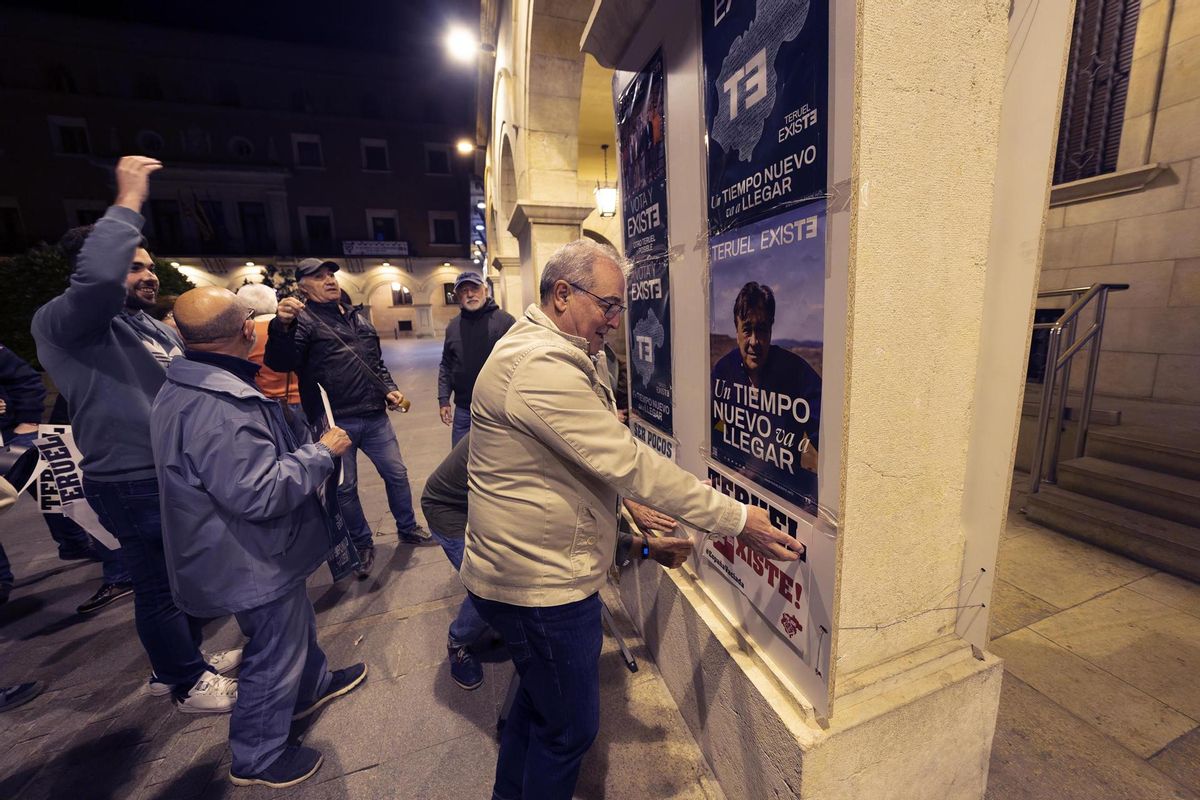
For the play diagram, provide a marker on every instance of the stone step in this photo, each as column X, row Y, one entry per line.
column 1100, row 416
column 1168, row 496
column 1173, row 451
column 1170, row 546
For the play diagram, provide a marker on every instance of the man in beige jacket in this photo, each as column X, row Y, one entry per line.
column 549, row 463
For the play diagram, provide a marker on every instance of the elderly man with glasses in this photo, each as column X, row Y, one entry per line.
column 548, row 461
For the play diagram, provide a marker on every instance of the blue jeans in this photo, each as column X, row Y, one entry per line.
column 556, row 714
column 373, row 433
column 468, row 626
column 283, row 668
column 69, row 537
column 171, row 638
column 462, row 424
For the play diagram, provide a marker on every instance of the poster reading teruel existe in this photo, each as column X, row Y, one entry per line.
column 766, row 71
column 642, row 139
column 765, row 346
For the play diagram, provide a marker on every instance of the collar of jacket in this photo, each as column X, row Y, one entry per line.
column 185, row 372
column 535, row 315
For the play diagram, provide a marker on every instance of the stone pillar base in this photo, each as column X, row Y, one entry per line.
column 917, row 726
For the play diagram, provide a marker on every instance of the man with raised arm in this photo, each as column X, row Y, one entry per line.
column 109, row 359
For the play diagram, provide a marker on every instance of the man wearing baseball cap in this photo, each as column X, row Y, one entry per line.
column 470, row 338
column 328, row 342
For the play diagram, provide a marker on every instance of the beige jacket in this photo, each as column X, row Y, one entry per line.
column 549, row 463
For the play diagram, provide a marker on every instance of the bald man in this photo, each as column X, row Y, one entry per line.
column 243, row 529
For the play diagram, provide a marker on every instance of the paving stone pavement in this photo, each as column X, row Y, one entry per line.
column 1100, row 696
column 409, row 732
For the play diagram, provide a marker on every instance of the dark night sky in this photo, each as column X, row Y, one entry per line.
column 381, row 25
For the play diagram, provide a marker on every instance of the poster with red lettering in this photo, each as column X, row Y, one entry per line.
column 787, row 595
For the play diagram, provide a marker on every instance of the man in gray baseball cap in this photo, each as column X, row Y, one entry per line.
column 470, row 338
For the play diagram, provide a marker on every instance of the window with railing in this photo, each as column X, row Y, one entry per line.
column 1093, row 110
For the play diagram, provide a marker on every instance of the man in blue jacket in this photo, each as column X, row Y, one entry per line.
column 243, row 529
column 109, row 358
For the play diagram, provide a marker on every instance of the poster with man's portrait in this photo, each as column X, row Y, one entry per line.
column 766, row 347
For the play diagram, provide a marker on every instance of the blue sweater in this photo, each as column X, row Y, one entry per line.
column 96, row 353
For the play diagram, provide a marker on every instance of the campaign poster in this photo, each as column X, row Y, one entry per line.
column 765, row 349
column 766, row 83
column 641, row 137
column 783, row 593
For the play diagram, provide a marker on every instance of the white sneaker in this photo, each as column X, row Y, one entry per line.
column 221, row 662
column 212, row 694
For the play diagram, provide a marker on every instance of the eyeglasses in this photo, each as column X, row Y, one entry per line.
column 611, row 308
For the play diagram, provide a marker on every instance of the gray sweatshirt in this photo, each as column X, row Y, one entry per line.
column 102, row 358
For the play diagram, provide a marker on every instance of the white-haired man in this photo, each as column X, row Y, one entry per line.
column 548, row 461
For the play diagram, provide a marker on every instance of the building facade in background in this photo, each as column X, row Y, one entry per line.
column 274, row 151
column 1125, row 205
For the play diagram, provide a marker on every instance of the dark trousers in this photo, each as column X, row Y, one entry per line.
column 556, row 714
column 171, row 638
column 283, row 668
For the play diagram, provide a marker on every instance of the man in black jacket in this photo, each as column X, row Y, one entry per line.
column 331, row 343
column 470, row 338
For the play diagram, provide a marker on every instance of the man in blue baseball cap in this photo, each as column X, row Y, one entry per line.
column 470, row 338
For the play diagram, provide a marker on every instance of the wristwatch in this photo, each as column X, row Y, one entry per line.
column 645, row 546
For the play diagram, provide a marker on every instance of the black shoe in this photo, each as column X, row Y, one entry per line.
column 343, row 681
column 465, row 669
column 108, row 593
column 13, row 696
column 366, row 560
column 294, row 765
column 78, row 554
column 417, row 535
column 5, row 591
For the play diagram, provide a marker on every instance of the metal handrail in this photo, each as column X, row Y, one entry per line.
column 1059, row 358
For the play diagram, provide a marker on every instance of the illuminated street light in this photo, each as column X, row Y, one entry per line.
column 461, row 44
column 464, row 147
column 606, row 196
column 481, row 205
column 386, row 264
column 249, row 263
column 174, row 263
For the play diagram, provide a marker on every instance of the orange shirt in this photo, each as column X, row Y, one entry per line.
column 273, row 384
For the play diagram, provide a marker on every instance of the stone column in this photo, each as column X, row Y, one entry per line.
column 507, row 278
column 540, row 230
column 277, row 209
column 917, row 94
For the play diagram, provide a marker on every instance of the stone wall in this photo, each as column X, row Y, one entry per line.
column 1149, row 237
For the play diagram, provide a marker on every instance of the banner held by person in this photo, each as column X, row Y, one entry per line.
column 63, row 493
column 343, row 556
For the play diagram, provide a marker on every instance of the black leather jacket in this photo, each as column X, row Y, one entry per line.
column 315, row 348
